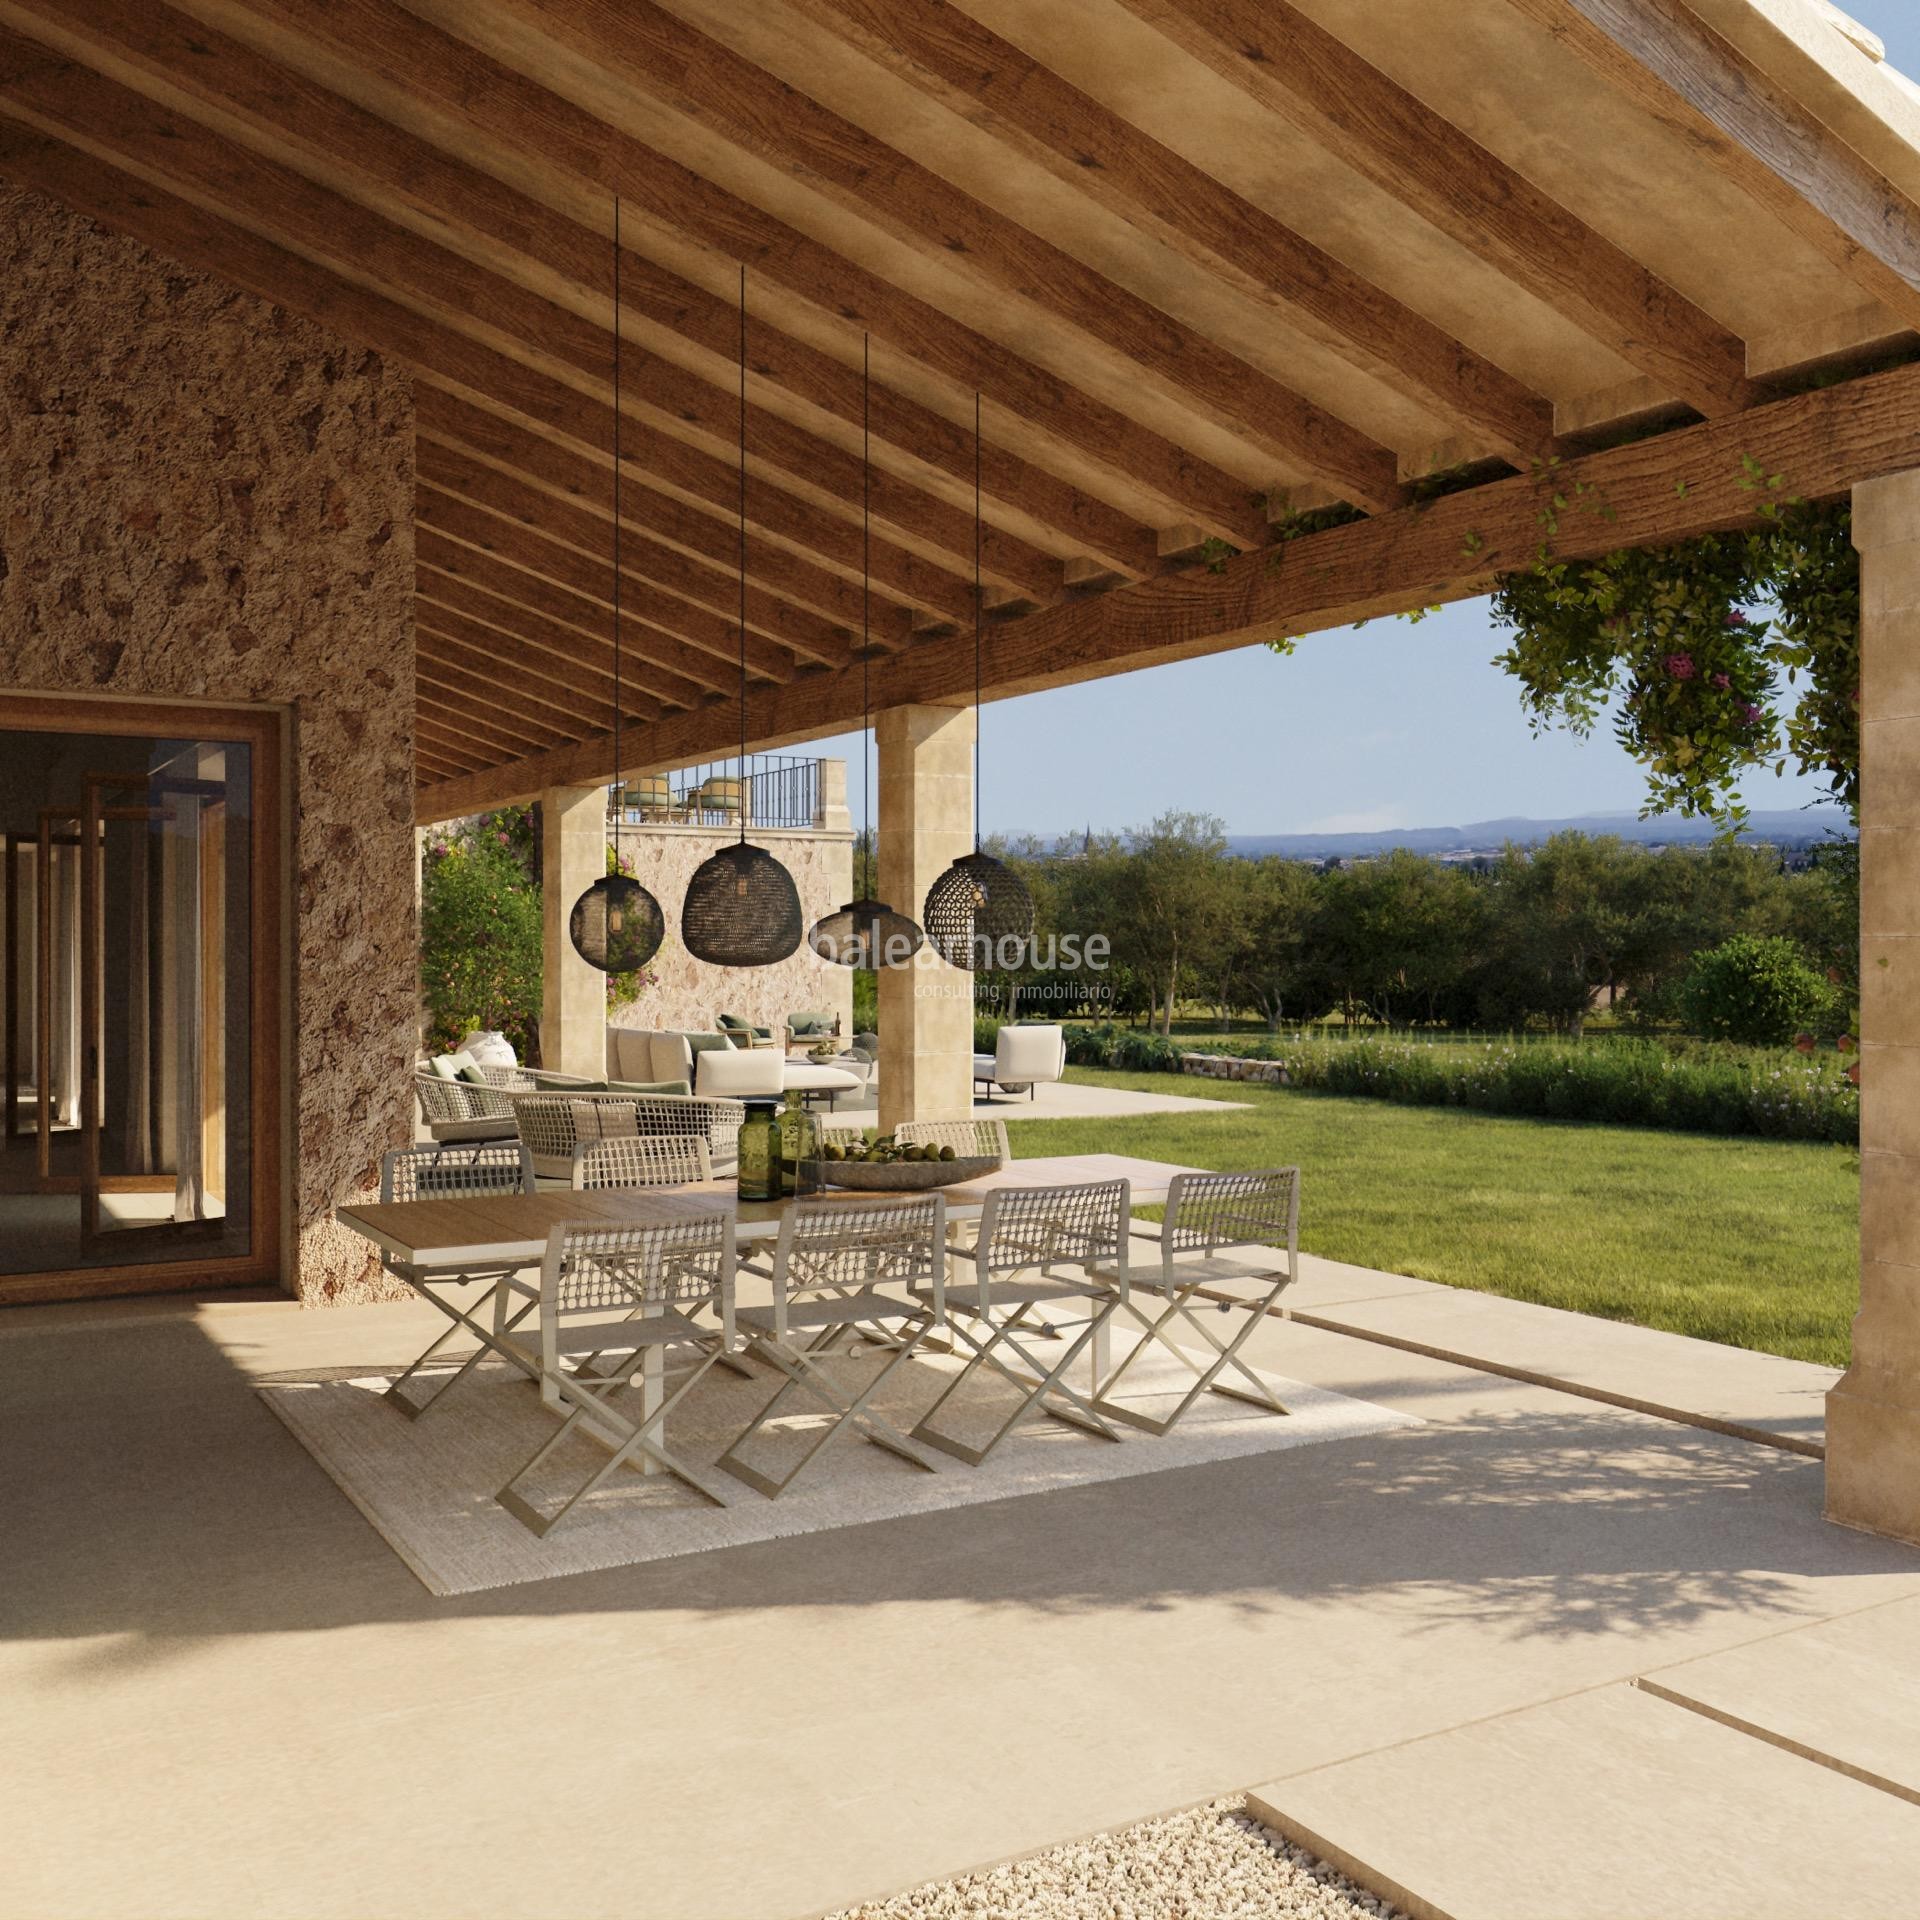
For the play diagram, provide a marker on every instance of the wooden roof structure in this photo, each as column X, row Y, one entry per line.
column 1471, row 268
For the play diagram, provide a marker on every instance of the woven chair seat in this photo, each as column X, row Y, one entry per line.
column 826, row 1311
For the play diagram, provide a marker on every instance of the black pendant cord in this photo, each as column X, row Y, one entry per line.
column 979, row 604
column 741, row 796
column 621, row 813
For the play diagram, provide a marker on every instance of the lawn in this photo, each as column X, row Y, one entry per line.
column 1751, row 1242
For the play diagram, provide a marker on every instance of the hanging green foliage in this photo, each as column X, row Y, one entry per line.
column 1701, row 689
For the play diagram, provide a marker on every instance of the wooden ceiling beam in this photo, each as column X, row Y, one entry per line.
column 454, row 80
column 549, row 696
column 1297, row 69
column 1654, row 491
column 576, row 475
column 1672, row 65
column 669, row 669
column 443, row 727
column 239, row 82
column 433, row 762
column 452, row 293
column 645, row 560
column 456, row 603
column 998, row 87
column 487, row 704
column 657, row 53
column 645, row 610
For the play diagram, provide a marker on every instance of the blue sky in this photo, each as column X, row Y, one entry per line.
column 1393, row 725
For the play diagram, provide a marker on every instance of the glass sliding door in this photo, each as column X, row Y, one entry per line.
column 140, row 1148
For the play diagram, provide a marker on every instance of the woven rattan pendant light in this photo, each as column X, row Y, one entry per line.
column 979, row 904
column 742, row 908
column 866, row 932
column 616, row 925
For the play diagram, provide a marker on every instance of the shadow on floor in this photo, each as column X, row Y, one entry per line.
column 151, row 1502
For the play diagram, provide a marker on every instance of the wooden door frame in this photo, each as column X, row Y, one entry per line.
column 264, row 731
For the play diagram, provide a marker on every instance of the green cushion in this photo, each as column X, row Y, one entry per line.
column 706, row 1042
column 732, row 1023
column 809, row 1022
column 562, row 1083
column 472, row 1075
column 449, row 1065
column 649, row 1086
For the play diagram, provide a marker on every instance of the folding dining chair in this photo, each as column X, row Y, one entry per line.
column 1205, row 1213
column 1030, row 1242
column 829, row 1264
column 630, row 1289
column 457, row 1171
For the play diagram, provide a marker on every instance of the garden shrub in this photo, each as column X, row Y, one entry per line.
column 1758, row 992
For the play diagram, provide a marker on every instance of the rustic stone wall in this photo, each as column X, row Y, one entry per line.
column 202, row 496
column 690, row 993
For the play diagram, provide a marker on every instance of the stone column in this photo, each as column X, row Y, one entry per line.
column 1873, row 1414
column 573, row 1001
column 926, row 823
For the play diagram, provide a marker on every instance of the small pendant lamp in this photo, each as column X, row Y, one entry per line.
column 742, row 908
column 866, row 932
column 979, row 902
column 616, row 925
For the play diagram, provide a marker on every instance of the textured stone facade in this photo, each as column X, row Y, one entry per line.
column 690, row 994
column 203, row 497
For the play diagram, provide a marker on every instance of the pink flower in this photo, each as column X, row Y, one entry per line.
column 1735, row 618
column 1721, row 681
column 1750, row 714
column 1803, row 1043
column 1680, row 665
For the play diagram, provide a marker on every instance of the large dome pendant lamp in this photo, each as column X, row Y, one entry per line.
column 979, row 904
column 866, row 932
column 742, row 908
column 616, row 925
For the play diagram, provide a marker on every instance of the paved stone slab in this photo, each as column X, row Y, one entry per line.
column 1727, row 1388
column 1606, row 1805
column 1845, row 1692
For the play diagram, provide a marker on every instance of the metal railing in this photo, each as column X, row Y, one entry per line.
column 778, row 791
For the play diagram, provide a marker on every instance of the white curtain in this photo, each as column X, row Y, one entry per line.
column 184, row 1014
column 64, row 1077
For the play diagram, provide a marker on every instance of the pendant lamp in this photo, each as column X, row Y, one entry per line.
column 866, row 932
column 979, row 902
column 742, row 908
column 616, row 925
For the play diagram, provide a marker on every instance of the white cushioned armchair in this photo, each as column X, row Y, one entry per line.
column 1021, row 1059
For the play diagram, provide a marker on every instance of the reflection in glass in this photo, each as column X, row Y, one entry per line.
column 124, row 968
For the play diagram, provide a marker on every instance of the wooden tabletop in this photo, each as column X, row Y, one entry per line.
column 515, row 1226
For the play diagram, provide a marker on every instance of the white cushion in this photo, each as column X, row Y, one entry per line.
column 604, row 1119
column 739, row 1072
column 450, row 1066
column 811, row 1079
column 1023, row 1055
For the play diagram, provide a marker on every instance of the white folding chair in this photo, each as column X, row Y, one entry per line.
column 630, row 1289
column 455, row 1171
column 972, row 1138
column 1030, row 1240
column 643, row 1160
column 831, row 1260
column 1206, row 1212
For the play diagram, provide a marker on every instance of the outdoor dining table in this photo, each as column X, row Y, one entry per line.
column 511, row 1230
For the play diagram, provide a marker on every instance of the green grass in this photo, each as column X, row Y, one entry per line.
column 1754, row 1243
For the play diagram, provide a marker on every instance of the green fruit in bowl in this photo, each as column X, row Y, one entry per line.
column 947, row 1153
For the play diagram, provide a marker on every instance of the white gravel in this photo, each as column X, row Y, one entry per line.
column 1212, row 1863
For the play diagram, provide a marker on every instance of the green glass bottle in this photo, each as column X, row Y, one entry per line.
column 759, row 1151
column 799, row 1148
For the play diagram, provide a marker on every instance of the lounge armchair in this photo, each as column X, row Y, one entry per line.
column 475, row 1109
column 552, row 1125
column 1022, row 1058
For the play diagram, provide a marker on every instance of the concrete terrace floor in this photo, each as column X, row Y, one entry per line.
column 225, row 1695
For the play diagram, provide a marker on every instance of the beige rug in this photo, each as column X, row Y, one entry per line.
column 428, row 1485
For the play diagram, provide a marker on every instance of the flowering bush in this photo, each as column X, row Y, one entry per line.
column 480, row 942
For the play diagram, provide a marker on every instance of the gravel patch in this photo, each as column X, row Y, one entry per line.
column 1215, row 1862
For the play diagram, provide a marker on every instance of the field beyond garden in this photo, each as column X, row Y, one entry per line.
column 1751, row 1242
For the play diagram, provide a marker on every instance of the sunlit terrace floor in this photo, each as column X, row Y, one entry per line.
column 226, row 1695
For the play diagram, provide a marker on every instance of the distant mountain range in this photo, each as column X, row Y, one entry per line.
column 1794, row 828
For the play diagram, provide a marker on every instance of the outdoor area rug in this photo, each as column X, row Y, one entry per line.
column 428, row 1484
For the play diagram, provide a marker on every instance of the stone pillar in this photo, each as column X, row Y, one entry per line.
column 573, row 1001
column 926, row 823
column 1873, row 1414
